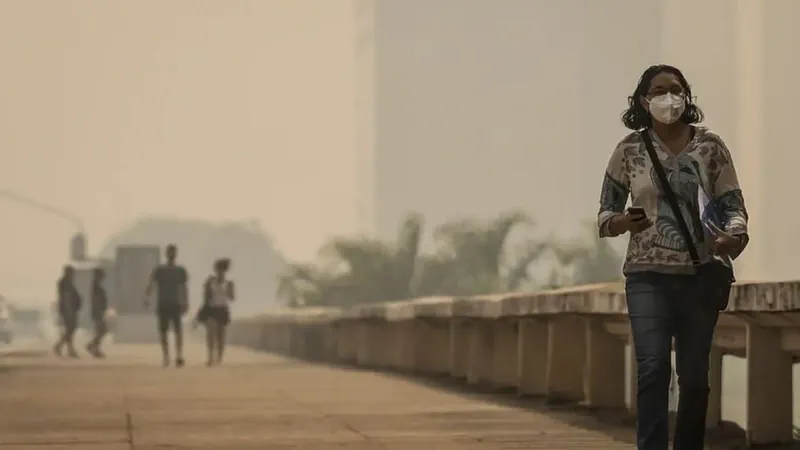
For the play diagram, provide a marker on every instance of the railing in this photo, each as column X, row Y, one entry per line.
column 567, row 344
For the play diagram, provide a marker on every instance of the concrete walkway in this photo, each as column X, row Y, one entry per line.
column 261, row 401
column 256, row 401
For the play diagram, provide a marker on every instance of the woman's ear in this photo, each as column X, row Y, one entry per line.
column 645, row 104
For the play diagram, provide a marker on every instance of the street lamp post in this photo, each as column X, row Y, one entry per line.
column 78, row 243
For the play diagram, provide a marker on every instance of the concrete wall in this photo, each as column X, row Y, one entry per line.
column 565, row 345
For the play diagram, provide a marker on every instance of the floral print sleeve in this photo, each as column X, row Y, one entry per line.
column 728, row 199
column 615, row 190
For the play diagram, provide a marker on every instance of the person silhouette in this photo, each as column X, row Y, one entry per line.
column 218, row 293
column 69, row 304
column 172, row 302
column 99, row 308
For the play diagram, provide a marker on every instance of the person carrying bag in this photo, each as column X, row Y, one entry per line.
column 715, row 277
column 687, row 222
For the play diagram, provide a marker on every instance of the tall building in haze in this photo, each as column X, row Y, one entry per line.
column 473, row 107
column 470, row 107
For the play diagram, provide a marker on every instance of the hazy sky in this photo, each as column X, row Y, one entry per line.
column 223, row 110
column 246, row 109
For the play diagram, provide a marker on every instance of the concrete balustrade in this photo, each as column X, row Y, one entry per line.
column 567, row 345
column 310, row 333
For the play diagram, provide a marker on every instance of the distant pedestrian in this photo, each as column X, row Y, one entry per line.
column 69, row 304
column 99, row 304
column 171, row 281
column 218, row 293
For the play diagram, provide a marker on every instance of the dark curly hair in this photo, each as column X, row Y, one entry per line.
column 636, row 117
column 222, row 265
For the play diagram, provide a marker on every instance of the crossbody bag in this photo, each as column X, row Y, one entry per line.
column 714, row 279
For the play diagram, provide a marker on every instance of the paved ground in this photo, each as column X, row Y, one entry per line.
column 258, row 401
column 253, row 402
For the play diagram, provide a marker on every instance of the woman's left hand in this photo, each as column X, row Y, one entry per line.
column 726, row 245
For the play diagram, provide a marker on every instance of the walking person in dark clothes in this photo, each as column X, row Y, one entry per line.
column 69, row 304
column 172, row 302
column 215, row 313
column 99, row 305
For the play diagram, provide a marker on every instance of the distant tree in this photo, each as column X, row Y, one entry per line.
column 601, row 264
column 471, row 257
column 357, row 270
column 517, row 273
column 583, row 262
column 474, row 257
column 298, row 285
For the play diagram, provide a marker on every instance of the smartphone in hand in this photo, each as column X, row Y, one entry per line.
column 636, row 213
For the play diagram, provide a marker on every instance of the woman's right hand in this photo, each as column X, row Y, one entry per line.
column 624, row 223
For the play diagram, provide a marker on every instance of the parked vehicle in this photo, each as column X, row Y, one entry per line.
column 6, row 322
column 32, row 322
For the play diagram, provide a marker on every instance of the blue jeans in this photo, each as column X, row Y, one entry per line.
column 663, row 306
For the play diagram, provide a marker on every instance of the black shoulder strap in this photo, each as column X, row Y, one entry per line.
column 671, row 198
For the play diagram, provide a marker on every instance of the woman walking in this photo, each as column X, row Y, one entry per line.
column 688, row 221
column 218, row 293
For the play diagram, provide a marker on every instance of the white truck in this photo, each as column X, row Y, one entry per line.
column 133, row 266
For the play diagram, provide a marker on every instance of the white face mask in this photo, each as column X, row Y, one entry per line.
column 667, row 108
